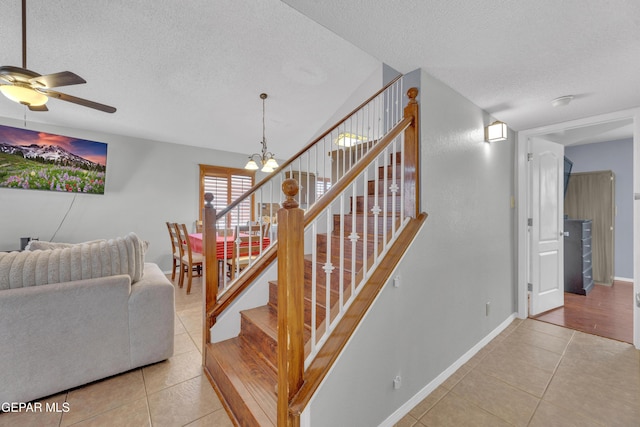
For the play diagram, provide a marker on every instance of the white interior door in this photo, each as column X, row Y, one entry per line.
column 546, row 208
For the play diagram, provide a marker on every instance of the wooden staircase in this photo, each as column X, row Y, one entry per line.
column 244, row 368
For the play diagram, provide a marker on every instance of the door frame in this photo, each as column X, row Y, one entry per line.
column 522, row 197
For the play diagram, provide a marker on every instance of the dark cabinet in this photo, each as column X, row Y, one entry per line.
column 578, row 271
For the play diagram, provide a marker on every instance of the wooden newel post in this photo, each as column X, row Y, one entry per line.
column 210, row 288
column 290, row 302
column 412, row 156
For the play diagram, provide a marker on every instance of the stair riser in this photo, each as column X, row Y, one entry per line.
column 321, row 277
column 383, row 187
column 320, row 299
column 335, row 258
column 259, row 341
column 321, row 293
column 347, row 226
column 371, row 202
column 390, row 171
column 335, row 247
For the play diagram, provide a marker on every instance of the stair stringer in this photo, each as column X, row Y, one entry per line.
column 333, row 348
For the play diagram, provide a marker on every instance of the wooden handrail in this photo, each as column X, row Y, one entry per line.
column 266, row 179
column 348, row 177
column 408, row 124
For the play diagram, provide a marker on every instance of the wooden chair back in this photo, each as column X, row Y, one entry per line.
column 188, row 259
column 185, row 244
column 261, row 230
column 243, row 247
column 175, row 248
column 225, row 232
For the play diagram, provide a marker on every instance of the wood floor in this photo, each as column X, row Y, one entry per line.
column 606, row 311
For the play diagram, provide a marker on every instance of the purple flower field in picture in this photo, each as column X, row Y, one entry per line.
column 43, row 161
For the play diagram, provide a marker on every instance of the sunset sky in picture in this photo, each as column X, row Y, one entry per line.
column 90, row 150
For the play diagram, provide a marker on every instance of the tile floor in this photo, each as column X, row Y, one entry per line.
column 542, row 375
column 532, row 374
column 170, row 393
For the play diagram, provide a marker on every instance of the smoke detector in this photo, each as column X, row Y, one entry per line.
column 562, row 101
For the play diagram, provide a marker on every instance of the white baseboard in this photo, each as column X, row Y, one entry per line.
column 623, row 279
column 419, row 397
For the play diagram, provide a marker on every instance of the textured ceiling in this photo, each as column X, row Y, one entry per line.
column 191, row 72
column 510, row 57
column 187, row 72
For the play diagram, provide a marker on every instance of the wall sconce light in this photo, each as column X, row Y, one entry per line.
column 496, row 131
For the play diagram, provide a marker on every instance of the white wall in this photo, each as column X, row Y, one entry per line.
column 147, row 184
column 370, row 86
column 463, row 257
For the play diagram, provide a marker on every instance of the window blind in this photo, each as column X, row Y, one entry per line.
column 227, row 185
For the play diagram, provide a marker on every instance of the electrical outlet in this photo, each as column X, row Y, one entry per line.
column 396, row 282
column 487, row 308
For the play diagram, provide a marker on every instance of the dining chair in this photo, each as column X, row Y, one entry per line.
column 242, row 256
column 225, row 232
column 175, row 249
column 198, row 226
column 258, row 229
column 189, row 260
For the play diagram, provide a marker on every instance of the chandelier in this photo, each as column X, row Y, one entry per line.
column 265, row 158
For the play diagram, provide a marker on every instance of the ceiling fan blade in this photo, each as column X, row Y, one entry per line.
column 64, row 78
column 79, row 101
column 38, row 108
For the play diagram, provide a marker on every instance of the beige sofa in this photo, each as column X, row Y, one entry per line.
column 69, row 316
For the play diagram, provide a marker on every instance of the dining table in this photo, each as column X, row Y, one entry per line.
column 224, row 244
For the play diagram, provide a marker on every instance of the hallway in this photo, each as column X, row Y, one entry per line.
column 542, row 375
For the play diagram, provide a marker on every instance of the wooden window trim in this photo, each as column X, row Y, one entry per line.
column 221, row 172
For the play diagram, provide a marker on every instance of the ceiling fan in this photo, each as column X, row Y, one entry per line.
column 34, row 90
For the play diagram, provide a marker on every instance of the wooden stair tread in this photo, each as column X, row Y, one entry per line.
column 264, row 317
column 246, row 381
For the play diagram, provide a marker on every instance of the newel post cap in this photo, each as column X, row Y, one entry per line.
column 290, row 189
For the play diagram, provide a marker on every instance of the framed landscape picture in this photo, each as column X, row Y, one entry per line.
column 44, row 161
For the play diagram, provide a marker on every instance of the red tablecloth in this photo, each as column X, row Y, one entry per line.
column 196, row 244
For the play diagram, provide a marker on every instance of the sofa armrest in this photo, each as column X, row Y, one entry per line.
column 58, row 336
column 151, row 317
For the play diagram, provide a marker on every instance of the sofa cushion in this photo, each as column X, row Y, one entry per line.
column 123, row 255
column 34, row 245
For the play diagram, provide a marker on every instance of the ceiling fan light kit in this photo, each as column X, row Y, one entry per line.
column 29, row 88
column 23, row 94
